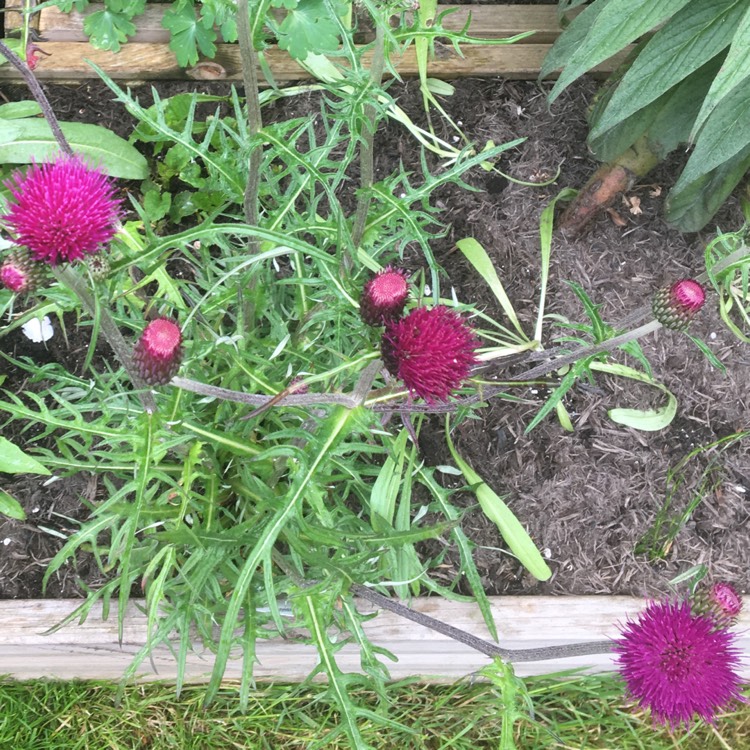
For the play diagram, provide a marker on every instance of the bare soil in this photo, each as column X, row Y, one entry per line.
column 586, row 497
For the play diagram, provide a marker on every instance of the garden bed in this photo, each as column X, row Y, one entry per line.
column 586, row 497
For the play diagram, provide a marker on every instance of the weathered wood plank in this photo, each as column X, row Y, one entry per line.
column 140, row 61
column 487, row 21
column 90, row 650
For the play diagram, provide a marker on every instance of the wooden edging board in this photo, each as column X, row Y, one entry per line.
column 90, row 650
column 148, row 57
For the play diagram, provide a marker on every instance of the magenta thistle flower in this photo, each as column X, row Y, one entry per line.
column 384, row 296
column 62, row 210
column 431, row 350
column 676, row 305
column 678, row 664
column 158, row 353
column 20, row 273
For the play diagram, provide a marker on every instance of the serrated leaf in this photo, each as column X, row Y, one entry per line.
column 695, row 35
column 308, row 28
column 22, row 141
column 15, row 461
column 10, row 507
column 734, row 71
column 617, row 24
column 107, row 30
column 188, row 35
column 19, row 110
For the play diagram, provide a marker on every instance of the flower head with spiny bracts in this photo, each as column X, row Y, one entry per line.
column 62, row 210
column 20, row 273
column 384, row 296
column 678, row 664
column 432, row 350
column 676, row 305
column 721, row 601
column 158, row 353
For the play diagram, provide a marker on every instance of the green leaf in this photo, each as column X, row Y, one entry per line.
column 515, row 536
column 617, row 24
column 691, row 204
column 734, row 71
column 19, row 110
column 477, row 256
column 188, row 35
column 648, row 420
column 14, row 461
column 10, row 507
column 694, row 36
column 308, row 28
column 107, row 30
column 22, row 141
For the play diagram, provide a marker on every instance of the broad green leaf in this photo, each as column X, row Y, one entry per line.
column 477, row 256
column 188, row 34
column 734, row 71
column 666, row 121
column 14, row 461
column 648, row 420
column 515, row 536
column 14, row 45
column 694, row 36
column 725, row 134
column 107, row 30
column 18, row 110
column 22, row 141
column 691, row 204
column 10, row 507
column 617, row 24
column 310, row 28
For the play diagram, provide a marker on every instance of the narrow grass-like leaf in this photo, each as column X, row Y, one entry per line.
column 515, row 536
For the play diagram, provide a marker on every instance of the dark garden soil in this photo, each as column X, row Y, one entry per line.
column 586, row 497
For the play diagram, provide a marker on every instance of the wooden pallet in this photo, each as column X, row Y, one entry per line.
column 91, row 650
column 148, row 57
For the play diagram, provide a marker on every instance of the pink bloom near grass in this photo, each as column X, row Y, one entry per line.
column 384, row 296
column 62, row 210
column 20, row 273
column 678, row 664
column 432, row 350
column 676, row 305
column 158, row 353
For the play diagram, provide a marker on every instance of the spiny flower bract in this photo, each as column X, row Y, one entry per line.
column 62, row 210
column 20, row 273
column 678, row 664
column 158, row 352
column 676, row 305
column 384, row 296
column 431, row 349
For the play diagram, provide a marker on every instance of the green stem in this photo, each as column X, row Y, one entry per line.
column 367, row 151
column 121, row 348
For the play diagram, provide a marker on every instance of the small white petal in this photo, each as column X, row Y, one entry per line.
column 38, row 329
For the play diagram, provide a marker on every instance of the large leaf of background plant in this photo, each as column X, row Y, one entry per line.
column 690, row 39
column 616, row 23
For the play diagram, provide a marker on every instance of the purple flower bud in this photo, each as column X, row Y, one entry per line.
column 158, row 353
column 20, row 273
column 431, row 350
column 384, row 296
column 676, row 305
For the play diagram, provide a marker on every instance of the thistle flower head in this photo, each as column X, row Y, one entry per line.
column 678, row 664
column 158, row 352
column 384, row 296
column 20, row 273
column 431, row 350
column 62, row 210
column 720, row 601
column 676, row 305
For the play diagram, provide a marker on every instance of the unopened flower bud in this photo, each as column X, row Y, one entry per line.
column 676, row 305
column 158, row 353
column 384, row 296
column 20, row 273
column 721, row 602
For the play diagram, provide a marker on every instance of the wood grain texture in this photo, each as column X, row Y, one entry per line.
column 66, row 62
column 90, row 650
